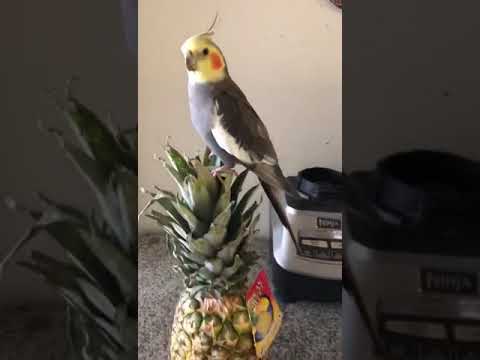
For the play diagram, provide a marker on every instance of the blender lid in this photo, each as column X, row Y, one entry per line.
column 417, row 184
column 417, row 202
column 317, row 182
column 320, row 189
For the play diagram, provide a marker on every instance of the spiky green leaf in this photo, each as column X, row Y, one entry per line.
column 95, row 137
column 227, row 253
column 236, row 222
column 199, row 198
column 238, row 184
column 233, row 269
column 169, row 206
column 197, row 226
column 179, row 162
column 202, row 247
column 121, row 268
column 205, row 177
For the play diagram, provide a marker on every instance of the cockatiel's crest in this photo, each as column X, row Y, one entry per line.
column 203, row 58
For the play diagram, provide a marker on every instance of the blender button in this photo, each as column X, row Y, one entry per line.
column 322, row 244
column 307, row 242
column 315, row 243
column 336, row 245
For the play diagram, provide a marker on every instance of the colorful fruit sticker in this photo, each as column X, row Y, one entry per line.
column 265, row 314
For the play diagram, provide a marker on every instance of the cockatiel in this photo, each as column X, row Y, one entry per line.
column 226, row 121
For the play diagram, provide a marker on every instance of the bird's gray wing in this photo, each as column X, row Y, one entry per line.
column 240, row 132
column 238, row 128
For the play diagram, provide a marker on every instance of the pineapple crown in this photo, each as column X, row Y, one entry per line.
column 206, row 224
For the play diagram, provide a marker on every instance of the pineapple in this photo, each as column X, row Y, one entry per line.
column 98, row 278
column 207, row 226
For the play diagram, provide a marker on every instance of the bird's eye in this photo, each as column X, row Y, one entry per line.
column 205, row 51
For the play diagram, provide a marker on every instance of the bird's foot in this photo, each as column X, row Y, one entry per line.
column 224, row 169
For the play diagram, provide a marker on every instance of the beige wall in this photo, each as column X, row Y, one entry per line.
column 286, row 57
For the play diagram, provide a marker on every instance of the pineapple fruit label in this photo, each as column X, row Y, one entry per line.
column 265, row 314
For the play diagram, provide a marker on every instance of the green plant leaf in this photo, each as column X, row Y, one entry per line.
column 94, row 136
column 225, row 195
column 126, row 193
column 236, row 220
column 177, row 178
column 202, row 247
column 199, row 199
column 117, row 263
column 198, row 227
column 168, row 206
column 69, row 231
column 248, row 214
column 218, row 228
column 238, row 184
column 232, row 270
column 227, row 253
column 179, row 163
column 205, row 177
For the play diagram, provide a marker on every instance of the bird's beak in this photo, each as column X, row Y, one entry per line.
column 190, row 61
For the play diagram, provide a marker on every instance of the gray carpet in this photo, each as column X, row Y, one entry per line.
column 310, row 331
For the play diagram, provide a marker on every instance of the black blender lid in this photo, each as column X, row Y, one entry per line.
column 322, row 190
column 317, row 181
column 414, row 184
column 419, row 201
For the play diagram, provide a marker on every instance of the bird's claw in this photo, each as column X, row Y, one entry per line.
column 223, row 169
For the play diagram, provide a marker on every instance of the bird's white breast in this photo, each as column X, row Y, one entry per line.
column 227, row 142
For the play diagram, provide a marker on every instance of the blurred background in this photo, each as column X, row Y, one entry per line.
column 287, row 59
column 43, row 45
column 411, row 80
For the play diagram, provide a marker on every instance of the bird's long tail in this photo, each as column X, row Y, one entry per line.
column 275, row 196
column 273, row 176
column 275, row 186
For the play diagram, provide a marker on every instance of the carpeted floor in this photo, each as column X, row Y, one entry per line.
column 310, row 331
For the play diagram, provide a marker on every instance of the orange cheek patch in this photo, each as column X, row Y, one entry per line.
column 216, row 61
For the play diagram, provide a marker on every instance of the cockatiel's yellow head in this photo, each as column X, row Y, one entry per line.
column 204, row 60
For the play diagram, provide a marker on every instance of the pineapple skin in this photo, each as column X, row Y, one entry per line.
column 207, row 328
